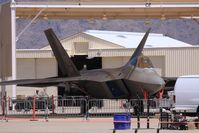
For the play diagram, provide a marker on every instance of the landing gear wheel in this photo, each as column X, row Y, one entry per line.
column 197, row 112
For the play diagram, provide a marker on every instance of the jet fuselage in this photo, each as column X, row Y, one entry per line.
column 120, row 82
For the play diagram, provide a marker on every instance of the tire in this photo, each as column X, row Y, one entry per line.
column 18, row 107
column 138, row 107
column 197, row 112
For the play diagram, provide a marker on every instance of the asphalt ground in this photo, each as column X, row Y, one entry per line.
column 79, row 125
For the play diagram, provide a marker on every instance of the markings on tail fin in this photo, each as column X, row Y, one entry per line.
column 134, row 61
column 134, row 58
column 66, row 65
column 138, row 50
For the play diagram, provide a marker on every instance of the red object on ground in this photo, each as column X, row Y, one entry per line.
column 34, row 109
column 145, row 95
column 160, row 93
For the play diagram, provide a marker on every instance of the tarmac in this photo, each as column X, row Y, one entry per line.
column 79, row 125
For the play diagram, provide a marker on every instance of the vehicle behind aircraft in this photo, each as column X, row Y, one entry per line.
column 186, row 94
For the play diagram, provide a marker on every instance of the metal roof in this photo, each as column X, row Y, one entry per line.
column 132, row 39
column 109, row 9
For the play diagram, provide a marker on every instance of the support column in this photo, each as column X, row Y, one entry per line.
column 13, row 28
column 3, row 98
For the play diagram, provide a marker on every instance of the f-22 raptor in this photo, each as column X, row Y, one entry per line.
column 129, row 81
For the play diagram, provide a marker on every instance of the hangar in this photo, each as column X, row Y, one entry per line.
column 111, row 10
column 94, row 49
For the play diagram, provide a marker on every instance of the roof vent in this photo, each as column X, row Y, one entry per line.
column 150, row 46
column 121, row 36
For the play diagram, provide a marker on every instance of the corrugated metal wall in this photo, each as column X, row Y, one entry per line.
column 178, row 61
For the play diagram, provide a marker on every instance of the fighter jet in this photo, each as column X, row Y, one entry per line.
column 133, row 80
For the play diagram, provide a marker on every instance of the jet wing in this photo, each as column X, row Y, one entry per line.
column 54, row 81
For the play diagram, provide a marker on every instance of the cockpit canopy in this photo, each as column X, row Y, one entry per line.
column 144, row 62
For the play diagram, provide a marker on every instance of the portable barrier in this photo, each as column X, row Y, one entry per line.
column 140, row 110
column 70, row 106
column 106, row 107
column 1, row 112
column 3, row 106
column 25, row 106
column 80, row 106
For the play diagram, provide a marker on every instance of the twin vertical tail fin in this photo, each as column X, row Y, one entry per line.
column 66, row 65
column 133, row 60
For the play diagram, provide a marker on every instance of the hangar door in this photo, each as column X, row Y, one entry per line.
column 34, row 68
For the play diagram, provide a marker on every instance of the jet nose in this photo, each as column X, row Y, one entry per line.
column 159, row 81
column 156, row 78
column 159, row 84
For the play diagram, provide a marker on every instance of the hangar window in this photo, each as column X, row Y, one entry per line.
column 81, row 48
